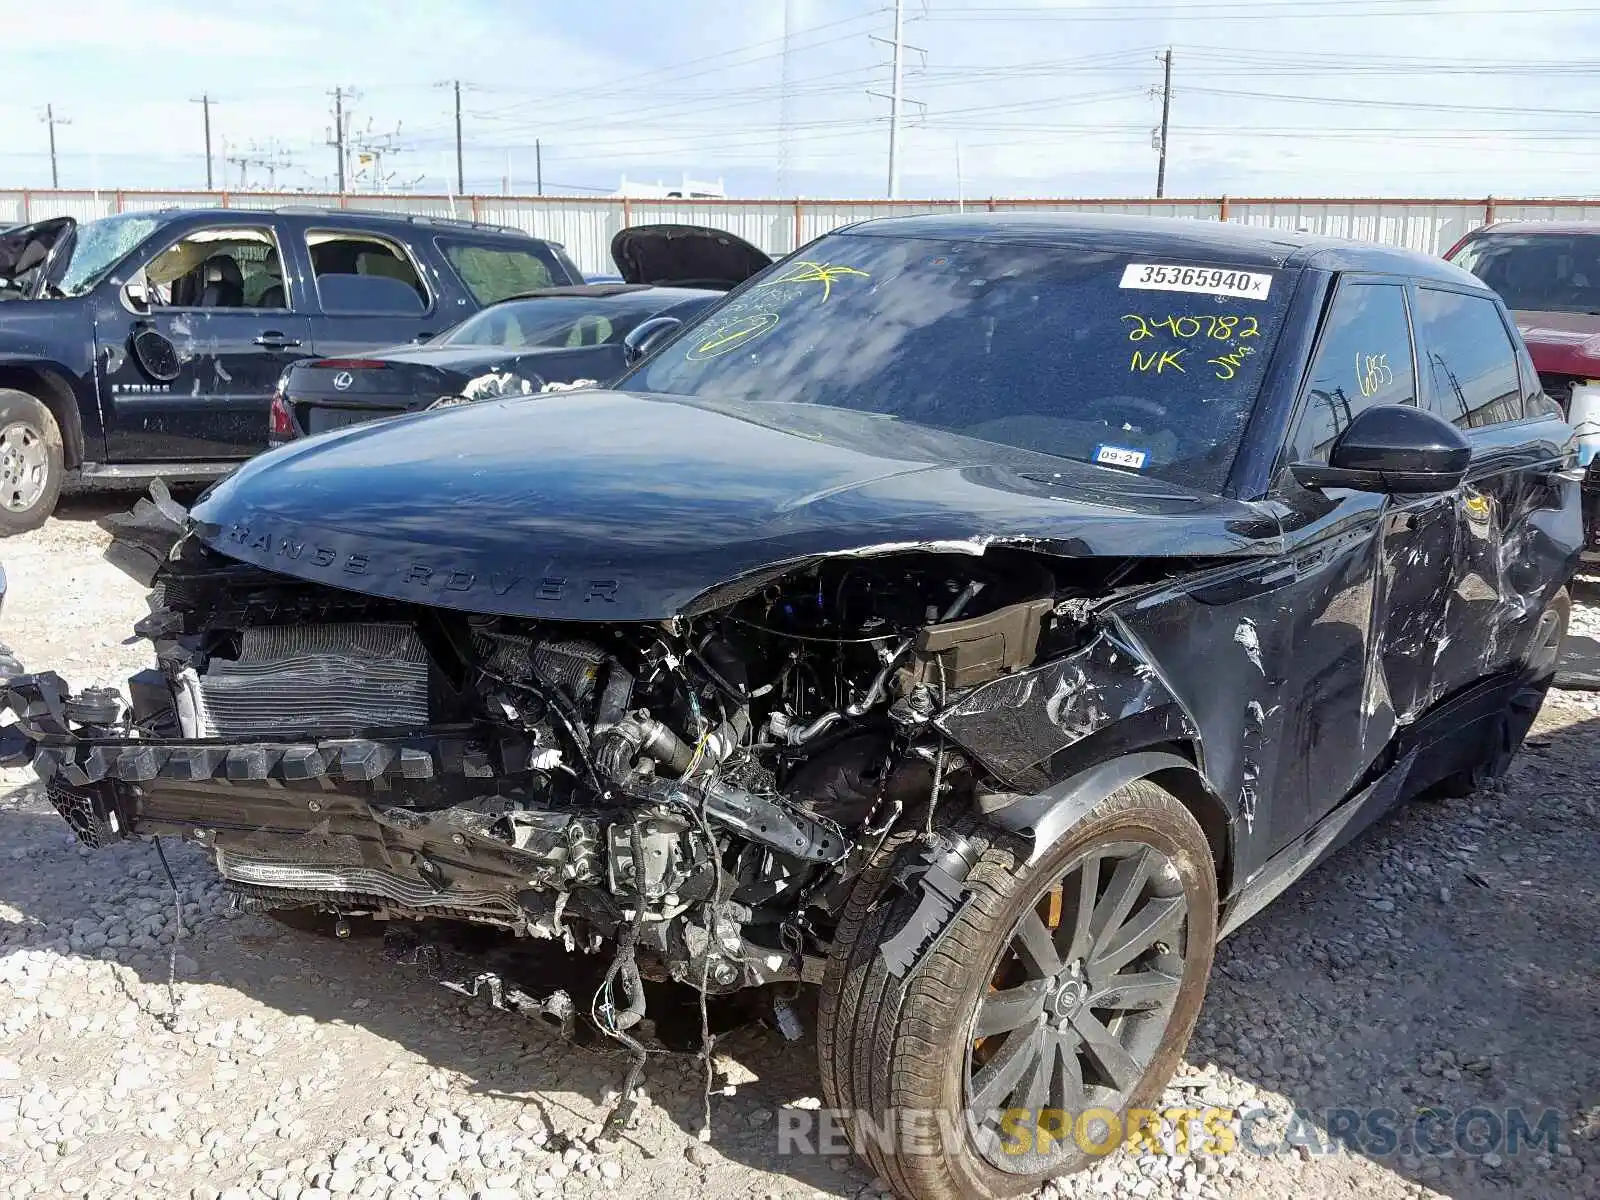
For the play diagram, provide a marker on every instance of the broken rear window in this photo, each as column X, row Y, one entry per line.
column 1132, row 361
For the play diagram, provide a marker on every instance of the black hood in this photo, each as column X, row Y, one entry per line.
column 606, row 505
column 685, row 256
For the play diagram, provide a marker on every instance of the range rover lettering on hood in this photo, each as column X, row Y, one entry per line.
column 639, row 506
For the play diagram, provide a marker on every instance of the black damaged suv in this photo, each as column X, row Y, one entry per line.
column 148, row 345
column 976, row 618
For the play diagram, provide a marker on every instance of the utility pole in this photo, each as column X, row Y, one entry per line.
column 786, row 98
column 1166, row 114
column 336, row 138
column 52, row 121
column 205, row 103
column 895, row 96
column 894, row 101
column 538, row 167
column 461, row 175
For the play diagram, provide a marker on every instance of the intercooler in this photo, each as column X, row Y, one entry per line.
column 302, row 680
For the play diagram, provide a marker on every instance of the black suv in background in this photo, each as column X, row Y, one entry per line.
column 149, row 344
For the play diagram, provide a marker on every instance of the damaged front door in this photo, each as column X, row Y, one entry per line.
column 191, row 347
column 1342, row 547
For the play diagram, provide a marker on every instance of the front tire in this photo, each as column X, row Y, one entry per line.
column 1060, row 987
column 32, row 463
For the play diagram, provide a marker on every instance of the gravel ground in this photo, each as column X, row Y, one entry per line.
column 1448, row 960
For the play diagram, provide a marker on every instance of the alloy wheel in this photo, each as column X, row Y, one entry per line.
column 24, row 466
column 1077, row 1005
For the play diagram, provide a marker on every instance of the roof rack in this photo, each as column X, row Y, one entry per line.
column 413, row 218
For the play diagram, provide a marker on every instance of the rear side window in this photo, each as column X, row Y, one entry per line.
column 1363, row 358
column 363, row 274
column 1472, row 362
column 494, row 272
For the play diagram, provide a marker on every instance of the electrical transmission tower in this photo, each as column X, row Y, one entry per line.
column 370, row 150
column 895, row 96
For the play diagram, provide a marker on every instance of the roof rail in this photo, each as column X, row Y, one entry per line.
column 413, row 218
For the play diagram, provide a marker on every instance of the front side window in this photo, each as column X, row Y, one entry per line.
column 1133, row 361
column 494, row 272
column 223, row 267
column 363, row 274
column 1363, row 358
column 1472, row 362
column 553, row 321
column 1538, row 272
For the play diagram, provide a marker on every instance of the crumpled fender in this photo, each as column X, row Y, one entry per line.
column 1048, row 816
column 1015, row 723
column 143, row 537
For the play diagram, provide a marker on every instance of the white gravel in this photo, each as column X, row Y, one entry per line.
column 1449, row 958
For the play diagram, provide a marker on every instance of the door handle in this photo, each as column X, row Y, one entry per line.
column 274, row 340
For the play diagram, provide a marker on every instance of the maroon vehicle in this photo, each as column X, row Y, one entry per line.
column 1548, row 273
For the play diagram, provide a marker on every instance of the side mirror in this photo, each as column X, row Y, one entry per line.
column 1392, row 448
column 136, row 294
column 646, row 336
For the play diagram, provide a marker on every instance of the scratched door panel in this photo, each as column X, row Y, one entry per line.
column 1519, row 522
column 1417, row 577
column 217, row 407
column 1271, row 661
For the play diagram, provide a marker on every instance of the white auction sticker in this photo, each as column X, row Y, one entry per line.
column 1208, row 281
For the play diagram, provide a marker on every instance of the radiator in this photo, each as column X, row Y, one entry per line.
column 306, row 679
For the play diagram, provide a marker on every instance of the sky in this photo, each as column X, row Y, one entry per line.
column 1044, row 98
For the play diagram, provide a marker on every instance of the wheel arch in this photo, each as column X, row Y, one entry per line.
column 50, row 384
column 1048, row 815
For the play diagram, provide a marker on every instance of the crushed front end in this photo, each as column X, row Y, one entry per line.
column 700, row 789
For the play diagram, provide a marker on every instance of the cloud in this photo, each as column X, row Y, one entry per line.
column 1043, row 99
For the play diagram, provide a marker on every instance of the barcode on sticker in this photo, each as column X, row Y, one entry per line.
column 1119, row 456
column 1208, row 281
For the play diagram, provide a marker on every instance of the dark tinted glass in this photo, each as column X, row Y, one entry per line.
column 1472, row 363
column 1538, row 272
column 494, row 272
column 558, row 321
column 1075, row 353
column 1363, row 358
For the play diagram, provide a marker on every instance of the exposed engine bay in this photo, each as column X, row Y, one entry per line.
column 692, row 794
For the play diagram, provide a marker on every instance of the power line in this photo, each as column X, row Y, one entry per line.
column 1237, row 10
column 1410, row 105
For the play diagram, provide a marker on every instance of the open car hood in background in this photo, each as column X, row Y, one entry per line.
column 24, row 247
column 685, row 256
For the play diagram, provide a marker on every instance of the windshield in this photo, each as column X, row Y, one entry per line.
column 99, row 246
column 1122, row 360
column 1538, row 272
column 555, row 321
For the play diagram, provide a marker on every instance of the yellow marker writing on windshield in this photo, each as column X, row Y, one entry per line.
column 1157, row 361
column 732, row 335
column 814, row 272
